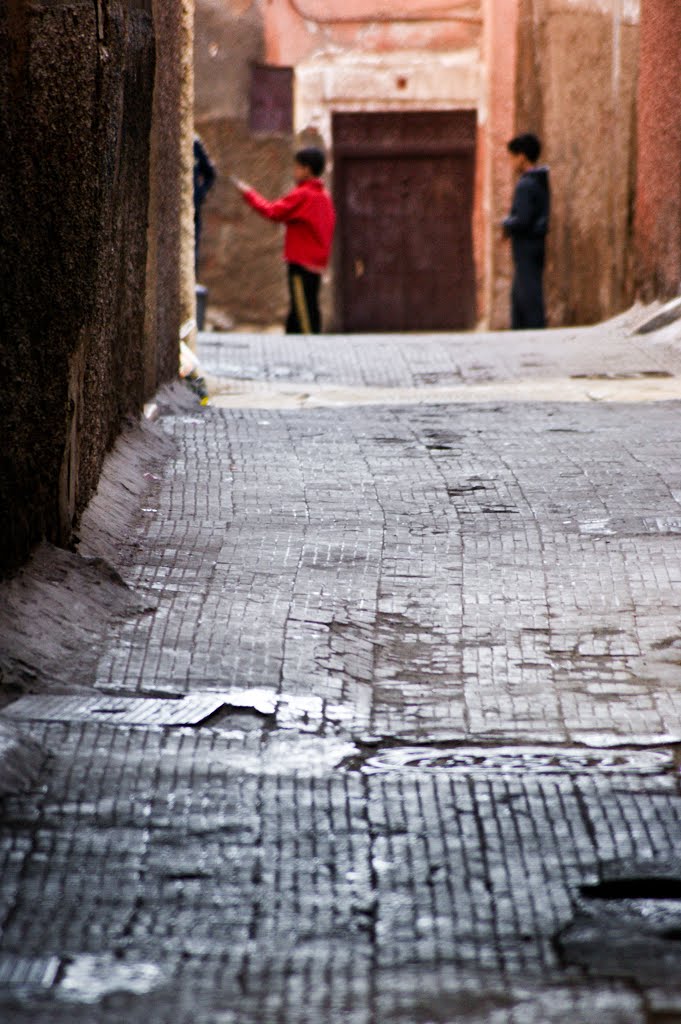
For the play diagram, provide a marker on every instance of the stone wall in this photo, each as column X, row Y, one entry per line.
column 76, row 94
column 576, row 87
column 658, row 209
column 170, row 270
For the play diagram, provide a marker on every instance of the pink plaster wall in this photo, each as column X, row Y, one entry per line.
column 501, row 59
column 658, row 201
column 576, row 88
column 294, row 29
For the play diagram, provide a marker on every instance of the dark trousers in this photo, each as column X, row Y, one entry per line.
column 527, row 296
column 304, row 316
column 197, row 239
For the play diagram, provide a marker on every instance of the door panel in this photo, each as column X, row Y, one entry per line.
column 372, row 254
column 406, row 240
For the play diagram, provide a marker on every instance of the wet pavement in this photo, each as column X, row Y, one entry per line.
column 400, row 742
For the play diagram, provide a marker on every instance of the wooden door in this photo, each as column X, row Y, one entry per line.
column 405, row 203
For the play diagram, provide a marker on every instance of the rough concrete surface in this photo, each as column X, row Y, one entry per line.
column 56, row 609
column 438, row 649
column 76, row 83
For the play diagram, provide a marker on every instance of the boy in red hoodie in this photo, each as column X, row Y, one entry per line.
column 310, row 221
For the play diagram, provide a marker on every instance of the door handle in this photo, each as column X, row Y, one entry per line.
column 359, row 269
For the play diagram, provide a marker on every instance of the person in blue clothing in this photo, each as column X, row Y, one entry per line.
column 527, row 226
column 204, row 179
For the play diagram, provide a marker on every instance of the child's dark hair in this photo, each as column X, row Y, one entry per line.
column 527, row 144
column 313, row 159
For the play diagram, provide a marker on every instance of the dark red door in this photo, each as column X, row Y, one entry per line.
column 405, row 198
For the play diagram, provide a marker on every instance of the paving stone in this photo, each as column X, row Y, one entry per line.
column 17, row 972
column 427, row 668
column 494, row 580
column 312, row 894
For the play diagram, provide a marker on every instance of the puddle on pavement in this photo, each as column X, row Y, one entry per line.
column 287, row 753
column 290, row 711
column 518, row 761
column 87, row 979
column 263, row 702
column 637, row 888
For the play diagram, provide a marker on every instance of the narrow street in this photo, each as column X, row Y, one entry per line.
column 395, row 735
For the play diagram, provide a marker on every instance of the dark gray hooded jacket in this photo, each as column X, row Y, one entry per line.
column 531, row 210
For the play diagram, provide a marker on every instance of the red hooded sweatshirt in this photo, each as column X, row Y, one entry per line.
column 310, row 221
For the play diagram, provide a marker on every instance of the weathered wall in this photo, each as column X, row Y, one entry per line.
column 658, row 204
column 576, row 87
column 76, row 90
column 240, row 253
column 295, row 30
column 497, row 125
column 228, row 37
column 170, row 283
column 241, row 260
column 185, row 116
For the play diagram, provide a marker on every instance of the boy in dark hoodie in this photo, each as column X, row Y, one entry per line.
column 310, row 221
column 527, row 227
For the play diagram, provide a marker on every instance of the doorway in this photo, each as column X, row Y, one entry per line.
column 404, row 185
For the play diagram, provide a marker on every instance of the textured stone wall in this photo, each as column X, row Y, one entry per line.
column 576, row 87
column 76, row 93
column 241, row 260
column 170, row 269
column 658, row 210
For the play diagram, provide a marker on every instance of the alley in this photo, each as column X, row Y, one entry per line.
column 394, row 737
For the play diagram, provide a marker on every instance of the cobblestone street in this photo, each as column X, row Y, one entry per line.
column 395, row 736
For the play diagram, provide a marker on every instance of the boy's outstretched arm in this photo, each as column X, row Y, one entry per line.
column 280, row 210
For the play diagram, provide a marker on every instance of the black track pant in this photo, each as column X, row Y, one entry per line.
column 197, row 239
column 527, row 296
column 304, row 316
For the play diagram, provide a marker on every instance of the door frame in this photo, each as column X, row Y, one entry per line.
column 460, row 140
